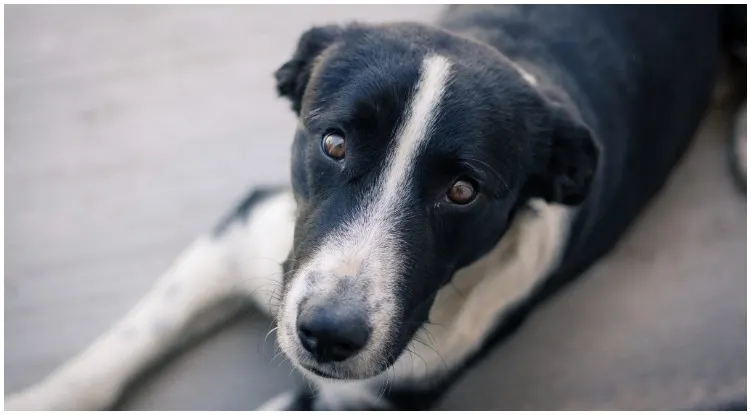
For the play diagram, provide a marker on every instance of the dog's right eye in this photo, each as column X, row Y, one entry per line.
column 333, row 145
column 462, row 192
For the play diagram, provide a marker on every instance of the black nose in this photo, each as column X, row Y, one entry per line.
column 332, row 333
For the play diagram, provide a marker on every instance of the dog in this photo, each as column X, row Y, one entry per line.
column 446, row 179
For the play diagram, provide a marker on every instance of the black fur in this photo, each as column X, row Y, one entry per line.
column 292, row 77
column 621, row 91
column 513, row 142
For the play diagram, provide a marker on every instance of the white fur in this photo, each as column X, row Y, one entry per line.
column 280, row 402
column 201, row 283
column 332, row 397
column 466, row 310
column 258, row 246
column 524, row 73
column 341, row 396
column 366, row 249
column 477, row 298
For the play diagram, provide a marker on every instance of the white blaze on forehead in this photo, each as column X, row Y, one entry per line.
column 417, row 125
column 371, row 233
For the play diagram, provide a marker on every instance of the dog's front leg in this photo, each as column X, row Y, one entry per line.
column 205, row 285
column 199, row 279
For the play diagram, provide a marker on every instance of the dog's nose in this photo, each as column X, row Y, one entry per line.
column 332, row 333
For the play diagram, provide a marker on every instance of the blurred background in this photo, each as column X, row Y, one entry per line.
column 130, row 130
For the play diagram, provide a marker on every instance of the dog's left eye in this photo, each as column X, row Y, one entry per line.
column 333, row 145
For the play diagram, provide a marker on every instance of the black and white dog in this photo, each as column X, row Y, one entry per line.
column 445, row 180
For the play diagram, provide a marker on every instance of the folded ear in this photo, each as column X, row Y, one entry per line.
column 565, row 173
column 292, row 77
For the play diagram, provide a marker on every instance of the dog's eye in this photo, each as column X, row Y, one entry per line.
column 333, row 145
column 461, row 192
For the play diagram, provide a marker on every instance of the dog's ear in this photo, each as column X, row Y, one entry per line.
column 569, row 161
column 292, row 77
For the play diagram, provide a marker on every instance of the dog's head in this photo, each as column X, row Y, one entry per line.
column 413, row 149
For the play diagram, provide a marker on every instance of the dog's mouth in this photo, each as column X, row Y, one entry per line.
column 346, row 371
column 321, row 373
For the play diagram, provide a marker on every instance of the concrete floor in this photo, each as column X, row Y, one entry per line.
column 130, row 130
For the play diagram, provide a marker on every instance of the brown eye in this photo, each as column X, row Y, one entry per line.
column 333, row 146
column 461, row 192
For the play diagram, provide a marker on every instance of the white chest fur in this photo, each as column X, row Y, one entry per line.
column 478, row 296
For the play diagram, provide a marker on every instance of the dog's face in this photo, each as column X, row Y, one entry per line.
column 413, row 149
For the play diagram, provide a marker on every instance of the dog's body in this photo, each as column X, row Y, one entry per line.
column 573, row 117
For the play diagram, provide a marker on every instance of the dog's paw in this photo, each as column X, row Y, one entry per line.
column 35, row 398
column 20, row 402
column 59, row 396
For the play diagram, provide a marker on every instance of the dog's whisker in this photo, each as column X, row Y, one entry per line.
column 425, row 362
column 437, row 353
column 270, row 332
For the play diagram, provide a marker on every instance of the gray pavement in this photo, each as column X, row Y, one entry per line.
column 130, row 130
